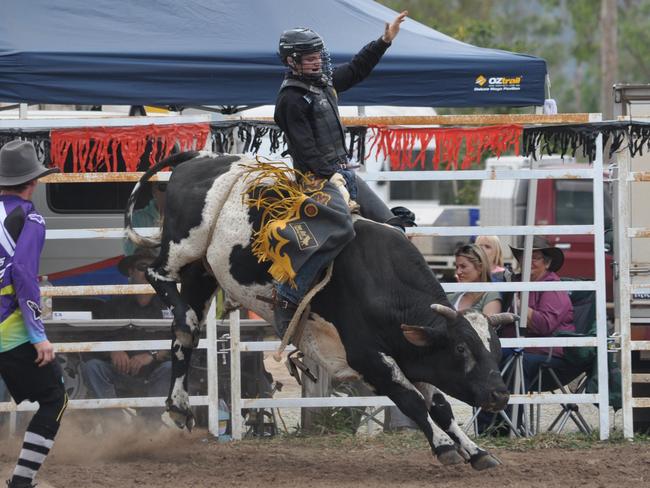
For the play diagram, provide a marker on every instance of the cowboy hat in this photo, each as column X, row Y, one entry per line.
column 541, row 244
column 19, row 164
column 131, row 260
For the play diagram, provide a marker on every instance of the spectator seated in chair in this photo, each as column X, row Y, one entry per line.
column 472, row 266
column 148, row 371
column 548, row 313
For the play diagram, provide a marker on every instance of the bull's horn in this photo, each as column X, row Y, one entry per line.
column 499, row 319
column 448, row 313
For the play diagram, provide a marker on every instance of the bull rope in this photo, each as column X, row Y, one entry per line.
column 297, row 316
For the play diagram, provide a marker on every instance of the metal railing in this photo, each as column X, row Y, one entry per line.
column 236, row 346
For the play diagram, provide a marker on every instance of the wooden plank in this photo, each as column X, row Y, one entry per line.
column 108, row 177
column 474, row 119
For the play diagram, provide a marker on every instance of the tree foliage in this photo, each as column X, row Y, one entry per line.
column 564, row 32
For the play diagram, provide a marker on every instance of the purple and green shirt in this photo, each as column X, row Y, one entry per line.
column 22, row 236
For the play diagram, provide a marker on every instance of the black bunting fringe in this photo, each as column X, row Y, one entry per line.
column 581, row 138
column 568, row 139
column 252, row 134
column 40, row 139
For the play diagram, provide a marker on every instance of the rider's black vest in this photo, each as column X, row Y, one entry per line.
column 325, row 122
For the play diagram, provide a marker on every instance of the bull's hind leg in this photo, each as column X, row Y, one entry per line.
column 197, row 290
column 441, row 413
column 383, row 373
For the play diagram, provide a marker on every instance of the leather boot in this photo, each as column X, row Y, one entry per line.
column 282, row 314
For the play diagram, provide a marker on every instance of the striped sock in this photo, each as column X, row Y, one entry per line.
column 32, row 455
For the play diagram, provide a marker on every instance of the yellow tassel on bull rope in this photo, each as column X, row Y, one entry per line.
column 279, row 196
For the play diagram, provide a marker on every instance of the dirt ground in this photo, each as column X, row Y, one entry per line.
column 173, row 459
column 123, row 457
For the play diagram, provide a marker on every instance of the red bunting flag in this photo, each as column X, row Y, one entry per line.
column 97, row 149
column 453, row 147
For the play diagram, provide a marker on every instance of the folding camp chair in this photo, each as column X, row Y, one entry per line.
column 578, row 370
column 580, row 365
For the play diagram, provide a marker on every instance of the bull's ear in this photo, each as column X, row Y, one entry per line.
column 420, row 336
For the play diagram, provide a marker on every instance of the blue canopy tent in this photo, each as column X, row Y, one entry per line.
column 217, row 52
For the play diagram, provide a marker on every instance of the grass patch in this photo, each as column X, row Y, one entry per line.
column 409, row 440
column 557, row 441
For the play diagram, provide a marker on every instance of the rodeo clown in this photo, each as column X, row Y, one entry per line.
column 27, row 363
column 307, row 112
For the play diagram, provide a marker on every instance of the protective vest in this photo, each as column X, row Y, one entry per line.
column 325, row 121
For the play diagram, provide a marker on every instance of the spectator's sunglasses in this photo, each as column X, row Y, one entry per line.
column 468, row 249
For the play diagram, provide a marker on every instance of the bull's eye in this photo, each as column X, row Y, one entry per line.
column 460, row 349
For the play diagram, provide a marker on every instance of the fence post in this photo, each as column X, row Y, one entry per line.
column 213, row 372
column 624, row 287
column 601, row 312
column 235, row 376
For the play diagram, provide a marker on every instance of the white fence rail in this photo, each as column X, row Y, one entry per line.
column 237, row 347
column 626, row 289
column 598, row 285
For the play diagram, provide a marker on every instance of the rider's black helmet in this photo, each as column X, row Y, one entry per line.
column 299, row 41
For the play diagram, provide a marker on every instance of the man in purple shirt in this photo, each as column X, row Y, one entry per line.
column 27, row 363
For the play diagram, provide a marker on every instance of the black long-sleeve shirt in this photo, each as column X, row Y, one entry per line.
column 292, row 110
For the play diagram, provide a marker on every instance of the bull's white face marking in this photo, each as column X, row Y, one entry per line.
column 480, row 324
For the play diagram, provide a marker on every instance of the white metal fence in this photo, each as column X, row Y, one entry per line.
column 595, row 173
column 625, row 176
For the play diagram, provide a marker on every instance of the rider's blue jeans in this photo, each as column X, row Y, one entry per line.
column 350, row 181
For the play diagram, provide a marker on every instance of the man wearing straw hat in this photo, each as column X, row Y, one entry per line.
column 27, row 362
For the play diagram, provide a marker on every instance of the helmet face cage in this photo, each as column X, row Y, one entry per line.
column 295, row 43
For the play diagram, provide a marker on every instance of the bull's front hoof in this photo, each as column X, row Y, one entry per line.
column 182, row 418
column 448, row 455
column 484, row 460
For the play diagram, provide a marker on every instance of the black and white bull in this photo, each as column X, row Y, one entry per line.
column 373, row 320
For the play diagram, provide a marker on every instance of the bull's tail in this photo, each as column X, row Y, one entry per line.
column 171, row 161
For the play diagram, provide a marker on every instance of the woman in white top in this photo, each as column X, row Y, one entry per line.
column 472, row 266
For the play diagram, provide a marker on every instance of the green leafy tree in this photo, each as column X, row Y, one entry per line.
column 566, row 33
